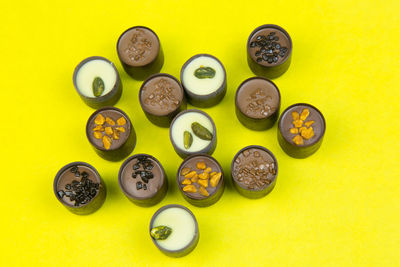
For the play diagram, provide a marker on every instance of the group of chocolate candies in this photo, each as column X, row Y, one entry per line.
column 200, row 177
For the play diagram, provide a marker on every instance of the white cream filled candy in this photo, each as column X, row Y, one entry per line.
column 203, row 86
column 89, row 71
column 183, row 228
column 182, row 123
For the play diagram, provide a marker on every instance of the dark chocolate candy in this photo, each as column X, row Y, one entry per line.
column 257, row 103
column 119, row 148
column 142, row 186
column 140, row 52
column 301, row 129
column 162, row 98
column 269, row 51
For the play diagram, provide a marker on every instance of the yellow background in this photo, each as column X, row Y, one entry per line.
column 339, row 207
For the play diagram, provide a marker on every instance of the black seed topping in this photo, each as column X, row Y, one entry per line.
column 61, row 193
column 270, row 49
column 144, row 187
column 81, row 191
column 147, row 165
column 136, row 167
column 139, row 185
column 74, row 169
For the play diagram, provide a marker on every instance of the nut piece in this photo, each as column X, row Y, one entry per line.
column 302, row 129
column 97, row 135
column 203, row 182
column 294, row 130
column 190, row 174
column 186, row 181
column 298, row 140
column 189, row 188
column 304, row 114
column 307, row 133
column 185, row 171
column 99, row 120
column 195, row 178
column 204, row 175
column 309, row 123
column 208, row 169
column 98, row 128
column 110, row 121
column 107, row 142
column 201, row 165
column 215, row 179
column 108, row 130
column 203, row 191
column 121, row 129
column 298, row 123
column 115, row 135
column 121, row 121
column 295, row 115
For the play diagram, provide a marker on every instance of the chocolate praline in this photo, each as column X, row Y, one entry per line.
column 257, row 103
column 192, row 243
column 114, row 90
column 269, row 51
column 76, row 173
column 146, row 191
column 121, row 147
column 311, row 139
column 179, row 126
column 140, row 52
column 214, row 92
column 196, row 198
column 161, row 97
column 260, row 179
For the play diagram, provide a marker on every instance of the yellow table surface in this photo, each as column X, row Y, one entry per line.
column 339, row 207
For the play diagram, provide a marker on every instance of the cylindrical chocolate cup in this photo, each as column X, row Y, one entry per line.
column 275, row 70
column 305, row 150
column 164, row 120
column 208, row 149
column 184, row 251
column 120, row 152
column 213, row 198
column 209, row 100
column 254, row 193
column 257, row 124
column 141, row 201
column 111, row 98
column 142, row 72
column 89, row 207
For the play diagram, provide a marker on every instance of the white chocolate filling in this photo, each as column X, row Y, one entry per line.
column 207, row 85
column 184, row 123
column 182, row 225
column 92, row 69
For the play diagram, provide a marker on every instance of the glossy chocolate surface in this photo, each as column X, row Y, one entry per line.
column 67, row 177
column 286, row 123
column 254, row 168
column 270, row 38
column 191, row 164
column 161, row 95
column 136, row 187
column 258, row 98
column 138, row 46
column 114, row 114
